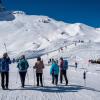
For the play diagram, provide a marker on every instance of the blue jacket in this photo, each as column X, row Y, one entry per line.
column 4, row 64
column 54, row 69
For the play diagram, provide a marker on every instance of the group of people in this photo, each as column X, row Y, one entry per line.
column 23, row 65
column 55, row 69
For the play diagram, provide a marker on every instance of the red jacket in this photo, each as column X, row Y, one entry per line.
column 61, row 64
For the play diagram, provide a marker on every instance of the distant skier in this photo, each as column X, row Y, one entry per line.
column 84, row 77
column 54, row 71
column 63, row 70
column 49, row 61
column 4, row 68
column 23, row 66
column 76, row 64
column 39, row 66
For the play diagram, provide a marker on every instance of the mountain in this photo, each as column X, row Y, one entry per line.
column 27, row 33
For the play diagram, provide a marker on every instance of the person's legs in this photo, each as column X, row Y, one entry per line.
column 37, row 75
column 2, row 80
column 23, row 78
column 7, row 79
column 52, row 78
column 65, row 76
column 41, row 79
column 21, row 75
column 61, row 76
column 56, row 79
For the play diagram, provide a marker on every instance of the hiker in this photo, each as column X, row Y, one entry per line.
column 54, row 71
column 76, row 65
column 63, row 68
column 22, row 66
column 39, row 66
column 4, row 68
column 84, row 77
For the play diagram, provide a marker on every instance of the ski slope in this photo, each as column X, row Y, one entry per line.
column 36, row 35
column 27, row 33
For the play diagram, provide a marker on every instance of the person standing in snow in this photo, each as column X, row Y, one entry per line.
column 39, row 66
column 84, row 77
column 63, row 70
column 22, row 66
column 4, row 68
column 54, row 71
column 76, row 65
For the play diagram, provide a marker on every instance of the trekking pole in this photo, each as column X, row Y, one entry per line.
column 34, row 75
column 17, row 77
column 5, row 47
column 43, row 80
column 27, row 77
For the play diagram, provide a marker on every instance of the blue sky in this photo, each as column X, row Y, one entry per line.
column 70, row 11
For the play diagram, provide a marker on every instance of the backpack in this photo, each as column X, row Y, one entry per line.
column 22, row 65
column 65, row 65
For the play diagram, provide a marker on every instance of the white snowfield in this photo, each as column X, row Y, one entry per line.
column 27, row 33
column 40, row 35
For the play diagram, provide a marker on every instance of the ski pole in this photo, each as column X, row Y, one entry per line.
column 17, row 77
column 43, row 80
column 5, row 47
column 34, row 76
column 27, row 77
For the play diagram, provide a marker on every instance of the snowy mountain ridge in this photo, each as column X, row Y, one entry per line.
column 23, row 32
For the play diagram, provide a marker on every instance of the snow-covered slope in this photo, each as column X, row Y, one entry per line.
column 21, row 32
column 38, row 35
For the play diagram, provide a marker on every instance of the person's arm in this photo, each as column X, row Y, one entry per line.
column 35, row 66
column 27, row 64
column 61, row 64
column 18, row 65
column 51, row 70
column 42, row 64
column 8, row 60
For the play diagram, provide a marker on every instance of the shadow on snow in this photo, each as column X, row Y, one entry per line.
column 58, row 89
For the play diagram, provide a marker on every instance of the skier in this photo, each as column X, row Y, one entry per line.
column 39, row 66
column 63, row 68
column 23, row 66
column 4, row 68
column 54, row 71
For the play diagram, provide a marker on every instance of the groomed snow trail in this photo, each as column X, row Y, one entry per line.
column 74, row 91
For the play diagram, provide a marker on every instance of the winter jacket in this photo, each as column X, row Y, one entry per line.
column 22, row 65
column 61, row 65
column 54, row 69
column 39, row 66
column 4, row 64
column 64, row 65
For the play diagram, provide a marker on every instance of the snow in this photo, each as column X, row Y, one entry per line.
column 74, row 91
column 34, row 36
column 23, row 32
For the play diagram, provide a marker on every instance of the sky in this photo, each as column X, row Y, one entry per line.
column 69, row 11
